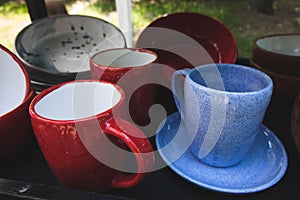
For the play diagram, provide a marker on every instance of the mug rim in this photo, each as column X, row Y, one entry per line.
column 23, row 69
column 262, row 74
column 143, row 50
column 41, row 95
column 30, row 96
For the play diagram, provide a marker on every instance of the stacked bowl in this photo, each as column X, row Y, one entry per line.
column 279, row 56
column 188, row 39
column 57, row 49
column 16, row 95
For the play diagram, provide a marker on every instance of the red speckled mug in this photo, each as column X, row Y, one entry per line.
column 85, row 142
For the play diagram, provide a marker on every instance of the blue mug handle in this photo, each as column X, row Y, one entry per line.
column 177, row 87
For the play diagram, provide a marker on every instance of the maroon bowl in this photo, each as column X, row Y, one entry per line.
column 286, row 87
column 279, row 53
column 295, row 122
column 187, row 39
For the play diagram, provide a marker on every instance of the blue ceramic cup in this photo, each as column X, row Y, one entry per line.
column 222, row 107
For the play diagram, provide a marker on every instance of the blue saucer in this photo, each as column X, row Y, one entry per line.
column 263, row 166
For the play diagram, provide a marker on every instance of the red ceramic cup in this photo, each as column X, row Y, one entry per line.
column 16, row 94
column 16, row 130
column 85, row 142
column 132, row 69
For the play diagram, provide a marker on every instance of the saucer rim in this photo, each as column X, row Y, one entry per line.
column 180, row 171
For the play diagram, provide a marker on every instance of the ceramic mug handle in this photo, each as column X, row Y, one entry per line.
column 140, row 146
column 177, row 87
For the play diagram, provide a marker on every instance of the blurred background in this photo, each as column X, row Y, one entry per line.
column 247, row 19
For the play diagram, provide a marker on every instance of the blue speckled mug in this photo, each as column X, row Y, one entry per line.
column 222, row 107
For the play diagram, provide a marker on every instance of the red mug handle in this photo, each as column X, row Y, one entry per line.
column 140, row 146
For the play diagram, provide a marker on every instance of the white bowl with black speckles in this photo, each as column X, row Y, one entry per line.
column 58, row 48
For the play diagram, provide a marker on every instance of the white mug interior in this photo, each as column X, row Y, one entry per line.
column 281, row 44
column 78, row 100
column 124, row 58
column 13, row 83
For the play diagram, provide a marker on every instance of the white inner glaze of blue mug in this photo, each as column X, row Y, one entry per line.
column 284, row 44
column 124, row 58
column 12, row 83
column 78, row 100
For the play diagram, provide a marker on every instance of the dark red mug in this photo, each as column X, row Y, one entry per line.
column 85, row 142
column 16, row 130
column 132, row 69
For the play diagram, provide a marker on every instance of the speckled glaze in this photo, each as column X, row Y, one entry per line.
column 71, row 160
column 222, row 108
column 262, row 167
column 57, row 48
